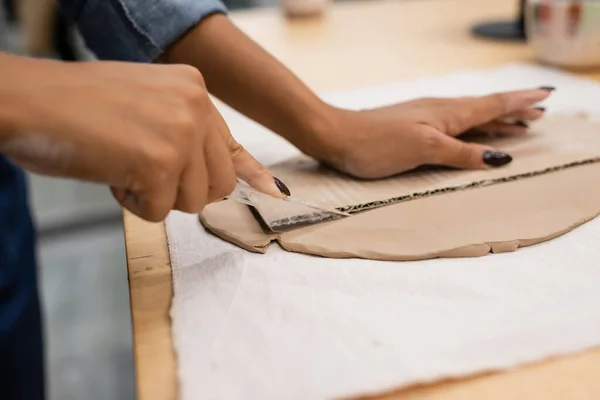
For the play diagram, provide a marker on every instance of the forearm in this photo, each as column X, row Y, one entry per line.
column 246, row 77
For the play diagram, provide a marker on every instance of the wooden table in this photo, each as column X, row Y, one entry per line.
column 356, row 44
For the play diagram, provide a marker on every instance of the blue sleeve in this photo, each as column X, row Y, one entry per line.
column 136, row 30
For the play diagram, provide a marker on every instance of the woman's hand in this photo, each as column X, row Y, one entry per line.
column 149, row 131
column 385, row 141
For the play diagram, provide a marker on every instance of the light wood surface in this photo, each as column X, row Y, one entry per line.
column 356, row 44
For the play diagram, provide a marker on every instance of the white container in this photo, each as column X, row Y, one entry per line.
column 565, row 33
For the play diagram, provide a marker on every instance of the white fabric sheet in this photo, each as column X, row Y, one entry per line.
column 290, row 326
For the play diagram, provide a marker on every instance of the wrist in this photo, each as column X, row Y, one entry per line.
column 319, row 137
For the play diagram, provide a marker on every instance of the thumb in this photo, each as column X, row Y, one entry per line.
column 254, row 173
column 456, row 153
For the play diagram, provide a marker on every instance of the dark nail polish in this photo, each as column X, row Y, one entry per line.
column 522, row 123
column 547, row 88
column 542, row 109
column 496, row 158
column 281, row 186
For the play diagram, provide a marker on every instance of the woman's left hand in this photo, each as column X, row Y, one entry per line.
column 388, row 140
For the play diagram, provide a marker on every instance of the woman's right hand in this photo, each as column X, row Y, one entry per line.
column 151, row 132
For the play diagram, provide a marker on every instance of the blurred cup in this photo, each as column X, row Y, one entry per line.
column 565, row 33
column 304, row 8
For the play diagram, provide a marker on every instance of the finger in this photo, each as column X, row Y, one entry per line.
column 254, row 173
column 248, row 168
column 526, row 114
column 119, row 194
column 221, row 173
column 193, row 186
column 453, row 152
column 155, row 210
column 500, row 128
column 469, row 112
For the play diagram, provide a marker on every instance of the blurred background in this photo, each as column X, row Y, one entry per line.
column 83, row 272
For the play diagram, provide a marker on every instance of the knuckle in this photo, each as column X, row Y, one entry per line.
column 183, row 122
column 432, row 148
column 191, row 73
column 197, row 77
column 502, row 101
column 192, row 89
column 256, row 174
column 235, row 149
column 195, row 95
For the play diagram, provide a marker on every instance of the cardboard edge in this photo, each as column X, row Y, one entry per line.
column 372, row 205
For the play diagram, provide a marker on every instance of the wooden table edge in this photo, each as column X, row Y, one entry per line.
column 151, row 296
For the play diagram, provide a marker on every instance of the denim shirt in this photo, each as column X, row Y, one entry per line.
column 136, row 30
column 128, row 30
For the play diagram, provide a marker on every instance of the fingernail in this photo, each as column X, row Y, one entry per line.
column 281, row 186
column 496, row 158
column 542, row 109
column 521, row 123
column 547, row 88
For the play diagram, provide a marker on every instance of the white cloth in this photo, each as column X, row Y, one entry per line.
column 290, row 326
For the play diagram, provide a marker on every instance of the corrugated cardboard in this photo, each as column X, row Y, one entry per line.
column 551, row 186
